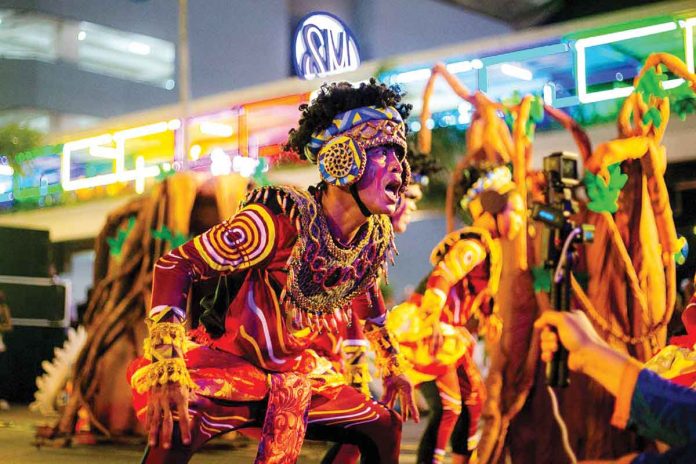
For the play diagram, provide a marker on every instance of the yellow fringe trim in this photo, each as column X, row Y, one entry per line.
column 358, row 375
column 167, row 333
column 491, row 327
column 388, row 360
column 161, row 373
column 394, row 364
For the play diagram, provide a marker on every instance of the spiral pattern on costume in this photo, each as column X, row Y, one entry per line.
column 243, row 241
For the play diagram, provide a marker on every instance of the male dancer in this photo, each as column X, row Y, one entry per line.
column 303, row 261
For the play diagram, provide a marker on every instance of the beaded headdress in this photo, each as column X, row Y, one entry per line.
column 340, row 151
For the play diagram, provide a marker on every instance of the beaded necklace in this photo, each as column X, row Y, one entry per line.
column 323, row 277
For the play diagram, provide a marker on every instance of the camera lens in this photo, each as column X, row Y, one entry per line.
column 570, row 169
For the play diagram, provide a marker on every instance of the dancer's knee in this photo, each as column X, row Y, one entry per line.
column 391, row 422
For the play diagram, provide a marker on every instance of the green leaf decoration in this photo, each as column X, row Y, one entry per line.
column 514, row 99
column 681, row 255
column 530, row 129
column 116, row 243
column 681, row 91
column 684, row 107
column 649, row 85
column 542, row 279
column 163, row 174
column 653, row 115
column 179, row 239
column 603, row 196
column 682, row 101
column 536, row 112
column 166, row 235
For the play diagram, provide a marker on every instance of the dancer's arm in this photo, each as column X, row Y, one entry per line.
column 653, row 406
column 459, row 260
column 390, row 362
column 246, row 240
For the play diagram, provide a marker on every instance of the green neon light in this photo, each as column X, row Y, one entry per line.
column 620, row 27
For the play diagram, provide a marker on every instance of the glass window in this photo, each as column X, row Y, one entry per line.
column 27, row 36
column 94, row 48
column 126, row 55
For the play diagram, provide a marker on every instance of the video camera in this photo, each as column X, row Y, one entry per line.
column 560, row 236
column 562, row 176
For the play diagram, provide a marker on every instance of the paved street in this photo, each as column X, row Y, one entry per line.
column 17, row 435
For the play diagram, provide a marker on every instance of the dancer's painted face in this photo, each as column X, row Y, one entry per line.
column 408, row 204
column 511, row 219
column 379, row 185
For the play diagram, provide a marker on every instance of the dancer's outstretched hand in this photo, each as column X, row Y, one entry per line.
column 160, row 423
column 398, row 386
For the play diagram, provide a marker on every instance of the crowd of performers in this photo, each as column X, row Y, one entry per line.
column 281, row 347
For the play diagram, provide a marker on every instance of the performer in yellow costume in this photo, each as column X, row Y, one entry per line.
column 430, row 326
column 677, row 360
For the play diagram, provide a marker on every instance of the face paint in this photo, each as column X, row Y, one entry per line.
column 379, row 185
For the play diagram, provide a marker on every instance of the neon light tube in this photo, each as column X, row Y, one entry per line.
column 581, row 45
column 516, row 71
column 460, row 67
column 216, row 129
column 689, row 42
column 413, row 76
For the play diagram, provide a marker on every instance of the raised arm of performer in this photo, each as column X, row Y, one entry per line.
column 452, row 267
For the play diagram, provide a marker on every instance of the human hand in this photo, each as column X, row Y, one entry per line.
column 160, row 423
column 398, row 386
column 576, row 334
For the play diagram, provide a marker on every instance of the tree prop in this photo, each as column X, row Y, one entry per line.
column 631, row 284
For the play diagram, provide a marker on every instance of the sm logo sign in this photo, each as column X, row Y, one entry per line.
column 323, row 45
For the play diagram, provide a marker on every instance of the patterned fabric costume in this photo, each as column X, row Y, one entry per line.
column 464, row 278
column 250, row 365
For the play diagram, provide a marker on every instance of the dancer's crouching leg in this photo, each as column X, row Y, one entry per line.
column 348, row 417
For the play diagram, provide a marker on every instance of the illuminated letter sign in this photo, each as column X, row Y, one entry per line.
column 324, row 46
column 111, row 147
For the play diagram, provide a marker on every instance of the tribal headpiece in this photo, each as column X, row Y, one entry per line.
column 341, row 150
column 489, row 192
